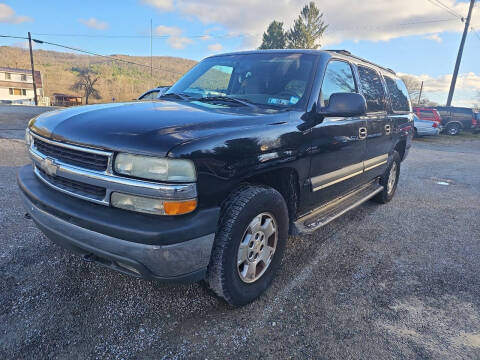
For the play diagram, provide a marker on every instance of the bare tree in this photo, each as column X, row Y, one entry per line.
column 87, row 78
column 413, row 87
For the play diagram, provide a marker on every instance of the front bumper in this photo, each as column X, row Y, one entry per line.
column 147, row 246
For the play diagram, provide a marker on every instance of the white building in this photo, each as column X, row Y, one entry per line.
column 16, row 85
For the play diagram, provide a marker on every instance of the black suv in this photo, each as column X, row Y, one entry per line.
column 207, row 182
column 456, row 119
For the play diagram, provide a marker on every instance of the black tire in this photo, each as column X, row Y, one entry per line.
column 385, row 196
column 415, row 133
column 453, row 129
column 237, row 213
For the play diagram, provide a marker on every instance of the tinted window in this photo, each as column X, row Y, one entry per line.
column 338, row 79
column 372, row 89
column 214, row 81
column 266, row 79
column 398, row 94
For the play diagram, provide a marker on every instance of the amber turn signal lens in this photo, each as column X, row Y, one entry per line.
column 179, row 207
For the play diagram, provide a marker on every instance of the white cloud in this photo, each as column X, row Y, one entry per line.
column 466, row 81
column 434, row 37
column 94, row 23
column 7, row 15
column 167, row 30
column 436, row 88
column 353, row 20
column 178, row 42
column 174, row 34
column 215, row 47
column 162, row 5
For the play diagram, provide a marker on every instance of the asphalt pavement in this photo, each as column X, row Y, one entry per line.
column 394, row 281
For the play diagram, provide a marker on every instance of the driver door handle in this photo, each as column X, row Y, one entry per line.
column 388, row 129
column 362, row 133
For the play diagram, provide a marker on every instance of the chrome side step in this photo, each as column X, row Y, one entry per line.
column 335, row 208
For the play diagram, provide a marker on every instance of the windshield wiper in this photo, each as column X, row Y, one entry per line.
column 227, row 99
column 175, row 95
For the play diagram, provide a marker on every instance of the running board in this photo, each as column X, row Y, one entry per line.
column 335, row 208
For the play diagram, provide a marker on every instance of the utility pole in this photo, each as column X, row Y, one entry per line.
column 420, row 94
column 33, row 69
column 460, row 52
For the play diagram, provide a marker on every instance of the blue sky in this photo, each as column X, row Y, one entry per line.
column 416, row 37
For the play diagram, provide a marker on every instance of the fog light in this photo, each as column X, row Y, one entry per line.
column 152, row 205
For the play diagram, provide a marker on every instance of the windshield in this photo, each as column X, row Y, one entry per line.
column 272, row 80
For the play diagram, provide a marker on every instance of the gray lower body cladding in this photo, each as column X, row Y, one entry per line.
column 182, row 259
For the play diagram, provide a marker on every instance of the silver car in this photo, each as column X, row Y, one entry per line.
column 425, row 127
column 154, row 93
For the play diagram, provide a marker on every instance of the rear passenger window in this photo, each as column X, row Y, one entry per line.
column 338, row 79
column 372, row 89
column 398, row 93
column 426, row 114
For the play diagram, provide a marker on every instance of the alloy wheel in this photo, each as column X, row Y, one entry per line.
column 257, row 248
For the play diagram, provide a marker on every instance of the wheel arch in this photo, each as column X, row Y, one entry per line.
column 286, row 181
column 401, row 148
column 459, row 123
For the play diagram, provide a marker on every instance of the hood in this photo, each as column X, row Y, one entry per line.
column 144, row 127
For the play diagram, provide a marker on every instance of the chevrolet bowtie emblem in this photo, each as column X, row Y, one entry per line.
column 48, row 165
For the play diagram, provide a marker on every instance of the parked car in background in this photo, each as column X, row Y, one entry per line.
column 424, row 113
column 455, row 119
column 477, row 119
column 208, row 182
column 154, row 93
column 425, row 127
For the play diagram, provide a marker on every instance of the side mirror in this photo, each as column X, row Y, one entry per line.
column 345, row 105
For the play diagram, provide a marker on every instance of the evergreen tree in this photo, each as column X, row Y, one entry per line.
column 307, row 29
column 274, row 37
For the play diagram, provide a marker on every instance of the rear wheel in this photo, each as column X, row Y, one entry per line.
column 249, row 244
column 453, row 129
column 389, row 180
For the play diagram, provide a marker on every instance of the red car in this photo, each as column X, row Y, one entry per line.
column 428, row 114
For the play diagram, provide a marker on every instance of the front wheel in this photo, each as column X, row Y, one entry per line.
column 389, row 180
column 249, row 244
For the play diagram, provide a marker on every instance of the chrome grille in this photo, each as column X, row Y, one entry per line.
column 86, row 173
column 73, row 186
column 86, row 160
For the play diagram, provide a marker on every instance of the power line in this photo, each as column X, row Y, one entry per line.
column 92, row 53
column 14, row 37
column 446, row 8
column 449, row 8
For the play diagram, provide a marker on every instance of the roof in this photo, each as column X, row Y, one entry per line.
column 66, row 95
column 345, row 53
column 17, row 70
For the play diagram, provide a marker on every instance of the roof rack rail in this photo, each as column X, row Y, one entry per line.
column 348, row 53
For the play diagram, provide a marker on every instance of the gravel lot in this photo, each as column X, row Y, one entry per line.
column 383, row 282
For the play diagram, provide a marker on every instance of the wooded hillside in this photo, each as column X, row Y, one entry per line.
column 117, row 80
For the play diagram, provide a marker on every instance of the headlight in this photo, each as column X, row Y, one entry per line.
column 152, row 205
column 28, row 138
column 154, row 168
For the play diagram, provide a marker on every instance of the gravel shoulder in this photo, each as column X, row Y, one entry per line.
column 383, row 282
